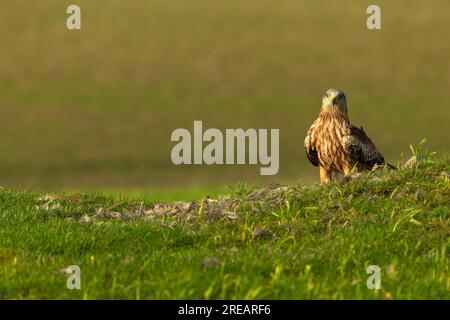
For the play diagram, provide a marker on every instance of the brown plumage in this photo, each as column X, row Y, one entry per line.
column 336, row 146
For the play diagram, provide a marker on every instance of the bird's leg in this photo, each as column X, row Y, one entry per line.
column 325, row 175
column 348, row 169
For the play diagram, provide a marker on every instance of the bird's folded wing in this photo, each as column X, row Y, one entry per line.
column 361, row 149
column 311, row 152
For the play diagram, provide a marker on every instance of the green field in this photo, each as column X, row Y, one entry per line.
column 86, row 118
column 291, row 242
column 95, row 108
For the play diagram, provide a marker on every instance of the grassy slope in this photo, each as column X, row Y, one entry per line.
column 318, row 243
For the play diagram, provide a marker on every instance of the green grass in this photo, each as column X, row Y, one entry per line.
column 293, row 242
column 93, row 110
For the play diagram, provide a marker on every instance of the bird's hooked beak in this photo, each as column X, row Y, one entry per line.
column 333, row 101
column 334, row 98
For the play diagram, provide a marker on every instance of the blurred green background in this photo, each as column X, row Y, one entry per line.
column 95, row 108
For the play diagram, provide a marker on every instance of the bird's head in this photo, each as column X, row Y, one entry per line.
column 334, row 101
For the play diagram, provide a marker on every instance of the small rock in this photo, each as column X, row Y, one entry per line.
column 376, row 180
column 444, row 175
column 353, row 176
column 128, row 259
column 231, row 215
column 417, row 195
column 66, row 271
column 160, row 209
column 260, row 233
column 86, row 219
column 115, row 215
column 185, row 207
column 210, row 262
column 412, row 161
column 335, row 206
column 214, row 214
column 48, row 197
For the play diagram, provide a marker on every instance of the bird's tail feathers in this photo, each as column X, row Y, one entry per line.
column 390, row 166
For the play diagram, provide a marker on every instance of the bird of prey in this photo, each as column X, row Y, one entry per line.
column 336, row 146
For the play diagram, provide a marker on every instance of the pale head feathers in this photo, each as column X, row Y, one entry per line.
column 334, row 102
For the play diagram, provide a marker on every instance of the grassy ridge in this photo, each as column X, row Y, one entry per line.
column 293, row 242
